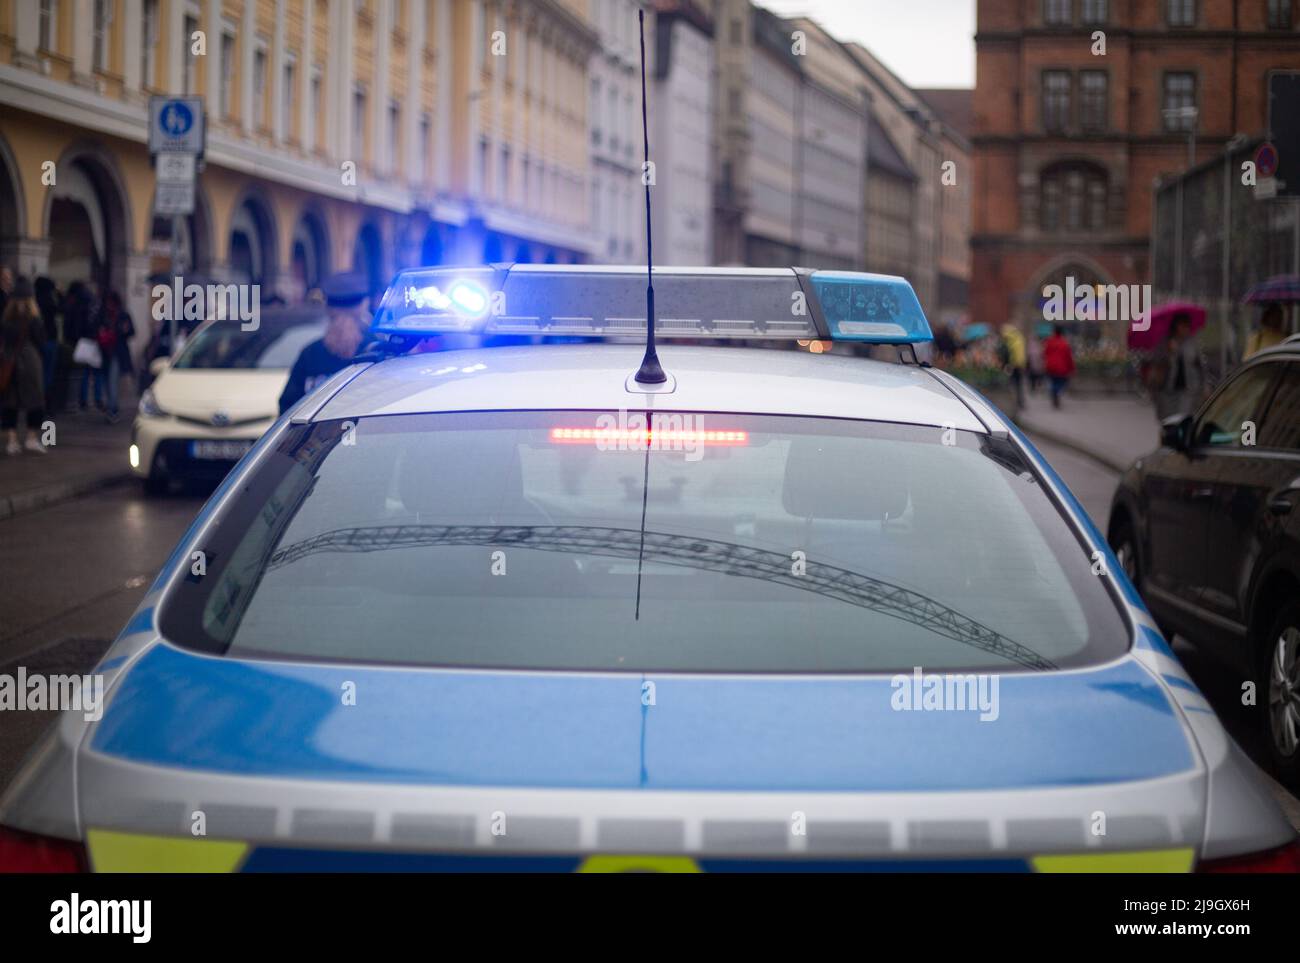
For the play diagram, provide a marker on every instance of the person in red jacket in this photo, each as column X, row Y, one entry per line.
column 1058, row 360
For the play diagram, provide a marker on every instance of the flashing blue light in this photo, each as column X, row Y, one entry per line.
column 434, row 301
column 469, row 297
column 871, row 308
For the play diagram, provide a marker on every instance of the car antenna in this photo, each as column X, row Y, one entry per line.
column 651, row 371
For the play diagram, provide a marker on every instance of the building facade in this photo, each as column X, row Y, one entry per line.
column 831, row 116
column 681, row 112
column 917, row 134
column 617, row 153
column 953, row 109
column 791, row 141
column 1080, row 106
column 891, row 197
column 341, row 134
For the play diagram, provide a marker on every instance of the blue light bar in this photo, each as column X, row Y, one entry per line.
column 871, row 308
column 608, row 301
column 435, row 301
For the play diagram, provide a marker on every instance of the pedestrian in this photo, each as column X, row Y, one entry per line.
column 1011, row 352
column 945, row 344
column 1181, row 372
column 1058, row 362
column 115, row 333
column 81, row 323
column 49, row 304
column 1034, row 355
column 345, row 296
column 22, row 386
column 1271, row 331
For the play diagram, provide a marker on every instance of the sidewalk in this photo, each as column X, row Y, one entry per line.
column 1111, row 429
column 88, row 454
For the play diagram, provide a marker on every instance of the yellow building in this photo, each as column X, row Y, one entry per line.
column 372, row 134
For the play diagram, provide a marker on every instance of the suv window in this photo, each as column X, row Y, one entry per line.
column 1281, row 428
column 1241, row 400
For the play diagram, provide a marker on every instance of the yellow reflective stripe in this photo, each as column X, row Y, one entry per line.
column 638, row 864
column 1146, row 861
column 114, row 852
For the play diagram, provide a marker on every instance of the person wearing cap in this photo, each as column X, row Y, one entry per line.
column 22, row 382
column 345, row 296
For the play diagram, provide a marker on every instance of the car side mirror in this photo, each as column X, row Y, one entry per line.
column 158, row 365
column 1176, row 432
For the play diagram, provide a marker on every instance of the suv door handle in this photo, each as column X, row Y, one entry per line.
column 1202, row 492
column 1280, row 505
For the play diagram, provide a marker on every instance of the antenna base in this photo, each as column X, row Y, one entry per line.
column 651, row 371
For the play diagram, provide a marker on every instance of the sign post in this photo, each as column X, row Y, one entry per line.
column 177, row 137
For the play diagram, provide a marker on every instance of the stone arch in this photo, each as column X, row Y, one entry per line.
column 252, row 243
column 13, row 207
column 310, row 252
column 88, row 220
column 368, row 256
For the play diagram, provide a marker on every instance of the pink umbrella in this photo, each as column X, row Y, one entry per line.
column 1162, row 318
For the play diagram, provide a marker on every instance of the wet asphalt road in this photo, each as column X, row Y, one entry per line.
column 73, row 573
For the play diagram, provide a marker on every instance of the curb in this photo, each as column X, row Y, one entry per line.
column 1065, row 441
column 30, row 501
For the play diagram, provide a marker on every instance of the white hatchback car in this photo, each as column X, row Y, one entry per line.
column 218, row 396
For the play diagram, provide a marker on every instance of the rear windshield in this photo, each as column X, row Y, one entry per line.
column 729, row 543
column 274, row 344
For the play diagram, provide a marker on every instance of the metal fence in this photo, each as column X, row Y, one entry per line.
column 1213, row 238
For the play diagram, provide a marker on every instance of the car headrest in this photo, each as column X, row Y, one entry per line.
column 838, row 478
column 481, row 483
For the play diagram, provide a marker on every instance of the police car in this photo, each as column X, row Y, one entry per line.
column 544, row 606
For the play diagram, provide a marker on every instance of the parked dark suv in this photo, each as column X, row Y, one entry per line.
column 1208, row 529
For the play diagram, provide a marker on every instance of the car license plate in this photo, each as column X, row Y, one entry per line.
column 219, row 450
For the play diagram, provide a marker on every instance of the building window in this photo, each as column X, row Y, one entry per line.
column 1092, row 100
column 1279, row 14
column 1180, row 13
column 103, row 16
column 1094, row 12
column 313, row 112
column 286, row 97
column 259, row 85
column 1072, row 198
column 358, row 122
column 1056, row 100
column 49, row 31
column 227, row 71
column 482, row 164
column 1179, row 110
column 1057, row 13
column 503, row 182
column 394, row 135
column 426, row 150
column 148, row 40
column 737, row 31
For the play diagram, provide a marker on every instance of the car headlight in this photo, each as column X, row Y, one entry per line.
column 149, row 405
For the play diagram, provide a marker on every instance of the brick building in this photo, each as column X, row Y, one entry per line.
column 1068, row 140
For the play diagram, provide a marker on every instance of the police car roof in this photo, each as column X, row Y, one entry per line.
column 595, row 376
